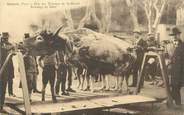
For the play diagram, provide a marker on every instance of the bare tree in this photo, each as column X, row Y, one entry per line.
column 154, row 10
column 148, row 5
column 68, row 19
column 90, row 13
column 133, row 12
column 106, row 10
column 159, row 6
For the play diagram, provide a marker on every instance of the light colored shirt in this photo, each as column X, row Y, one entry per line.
column 50, row 59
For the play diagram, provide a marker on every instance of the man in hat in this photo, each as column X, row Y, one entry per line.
column 140, row 48
column 177, row 67
column 35, row 74
column 8, row 73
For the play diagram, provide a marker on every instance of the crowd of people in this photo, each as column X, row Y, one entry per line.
column 58, row 68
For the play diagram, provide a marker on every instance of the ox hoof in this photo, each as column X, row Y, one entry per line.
column 87, row 89
column 93, row 91
column 120, row 91
column 102, row 88
column 107, row 89
column 129, row 91
column 116, row 89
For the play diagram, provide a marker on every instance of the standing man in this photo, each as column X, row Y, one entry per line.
column 70, row 73
column 35, row 75
column 49, row 67
column 31, row 70
column 140, row 48
column 8, row 74
column 64, row 70
column 177, row 67
column 61, row 75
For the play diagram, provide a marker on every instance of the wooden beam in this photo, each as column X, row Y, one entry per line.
column 23, row 79
column 165, row 79
column 163, row 72
column 137, row 90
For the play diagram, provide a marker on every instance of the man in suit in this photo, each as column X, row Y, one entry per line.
column 177, row 66
column 140, row 48
column 8, row 73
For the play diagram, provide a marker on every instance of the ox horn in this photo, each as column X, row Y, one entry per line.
column 58, row 30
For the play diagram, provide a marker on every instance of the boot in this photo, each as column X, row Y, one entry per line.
column 54, row 100
column 43, row 95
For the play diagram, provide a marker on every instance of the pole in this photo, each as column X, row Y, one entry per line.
column 23, row 79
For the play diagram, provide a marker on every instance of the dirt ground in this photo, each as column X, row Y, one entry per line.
column 136, row 109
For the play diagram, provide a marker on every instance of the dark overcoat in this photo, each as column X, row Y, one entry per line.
column 177, row 65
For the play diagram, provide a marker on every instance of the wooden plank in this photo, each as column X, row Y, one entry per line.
column 92, row 104
column 123, row 100
column 24, row 83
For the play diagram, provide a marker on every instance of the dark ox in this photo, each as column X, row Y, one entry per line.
column 46, row 42
column 122, row 68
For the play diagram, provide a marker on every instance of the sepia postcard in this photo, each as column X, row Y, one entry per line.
column 92, row 57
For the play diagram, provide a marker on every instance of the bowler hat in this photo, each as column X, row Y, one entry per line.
column 175, row 31
column 5, row 35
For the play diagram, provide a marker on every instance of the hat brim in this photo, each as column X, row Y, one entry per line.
column 5, row 37
column 174, row 34
column 137, row 32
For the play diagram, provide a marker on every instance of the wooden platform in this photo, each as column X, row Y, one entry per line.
column 85, row 104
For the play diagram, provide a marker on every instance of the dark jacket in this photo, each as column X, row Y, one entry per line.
column 5, row 49
column 177, row 65
column 141, row 48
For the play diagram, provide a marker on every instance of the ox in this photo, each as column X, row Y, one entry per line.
column 101, row 54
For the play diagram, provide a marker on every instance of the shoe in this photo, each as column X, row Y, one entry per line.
column 3, row 111
column 70, row 90
column 132, row 85
column 43, row 99
column 66, row 94
column 54, row 100
column 36, row 91
column 57, row 95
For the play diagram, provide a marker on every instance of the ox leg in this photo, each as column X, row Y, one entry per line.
column 79, row 79
column 120, row 85
column 107, row 82
column 82, row 83
column 103, row 83
column 92, row 83
column 116, row 83
column 84, row 78
column 126, row 80
column 43, row 92
column 88, row 84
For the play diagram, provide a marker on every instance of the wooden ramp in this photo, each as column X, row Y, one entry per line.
column 84, row 105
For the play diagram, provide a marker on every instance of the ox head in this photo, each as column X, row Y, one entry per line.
column 46, row 42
